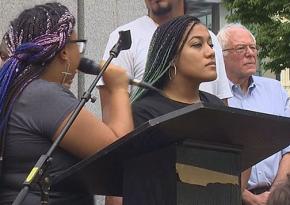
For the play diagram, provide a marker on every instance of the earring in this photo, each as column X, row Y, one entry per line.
column 169, row 73
column 66, row 72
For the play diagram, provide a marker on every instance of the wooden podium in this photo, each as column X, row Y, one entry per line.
column 190, row 156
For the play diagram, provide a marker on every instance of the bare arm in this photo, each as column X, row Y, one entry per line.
column 281, row 177
column 252, row 199
column 105, row 103
column 248, row 197
column 113, row 200
column 283, row 170
column 245, row 176
column 88, row 134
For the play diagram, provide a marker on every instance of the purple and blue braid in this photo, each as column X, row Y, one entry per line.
column 33, row 40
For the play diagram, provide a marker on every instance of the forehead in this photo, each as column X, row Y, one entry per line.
column 240, row 36
column 198, row 30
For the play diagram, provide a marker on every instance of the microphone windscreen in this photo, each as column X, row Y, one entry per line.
column 125, row 39
column 89, row 66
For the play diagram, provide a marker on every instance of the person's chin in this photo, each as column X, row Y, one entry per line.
column 251, row 71
column 211, row 77
column 251, row 67
column 162, row 9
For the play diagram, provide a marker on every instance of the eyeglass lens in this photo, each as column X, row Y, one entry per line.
column 81, row 46
column 243, row 48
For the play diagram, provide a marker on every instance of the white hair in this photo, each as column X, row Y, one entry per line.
column 224, row 36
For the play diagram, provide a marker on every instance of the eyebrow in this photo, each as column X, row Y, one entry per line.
column 244, row 43
column 200, row 38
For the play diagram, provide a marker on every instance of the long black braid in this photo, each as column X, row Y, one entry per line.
column 167, row 41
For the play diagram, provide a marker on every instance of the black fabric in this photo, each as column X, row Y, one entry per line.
column 36, row 115
column 2, row 146
column 154, row 105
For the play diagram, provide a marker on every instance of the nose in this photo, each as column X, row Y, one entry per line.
column 210, row 51
column 250, row 52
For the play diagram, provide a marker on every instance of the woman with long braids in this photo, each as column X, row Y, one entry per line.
column 180, row 57
column 35, row 103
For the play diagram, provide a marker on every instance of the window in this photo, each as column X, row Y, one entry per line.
column 206, row 10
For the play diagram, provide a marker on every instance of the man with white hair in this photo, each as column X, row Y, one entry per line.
column 258, row 94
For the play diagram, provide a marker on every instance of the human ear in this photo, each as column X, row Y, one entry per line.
column 64, row 54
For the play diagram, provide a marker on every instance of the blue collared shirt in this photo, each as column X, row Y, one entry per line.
column 267, row 96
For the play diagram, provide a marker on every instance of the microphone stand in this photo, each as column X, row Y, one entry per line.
column 38, row 174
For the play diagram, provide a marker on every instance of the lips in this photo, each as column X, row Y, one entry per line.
column 210, row 63
column 250, row 63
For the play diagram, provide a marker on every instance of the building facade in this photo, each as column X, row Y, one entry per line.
column 285, row 79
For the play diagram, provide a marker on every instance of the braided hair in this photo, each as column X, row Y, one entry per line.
column 166, row 44
column 33, row 39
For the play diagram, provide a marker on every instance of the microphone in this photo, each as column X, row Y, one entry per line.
column 89, row 66
column 124, row 43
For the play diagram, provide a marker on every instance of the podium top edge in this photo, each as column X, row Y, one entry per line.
column 202, row 105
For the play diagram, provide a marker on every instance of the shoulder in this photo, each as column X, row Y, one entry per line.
column 148, row 107
column 133, row 26
column 271, row 88
column 209, row 98
column 44, row 105
column 47, row 94
column 45, row 89
column 259, row 79
column 267, row 83
column 147, row 102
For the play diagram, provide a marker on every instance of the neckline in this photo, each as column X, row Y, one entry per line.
column 178, row 102
column 154, row 23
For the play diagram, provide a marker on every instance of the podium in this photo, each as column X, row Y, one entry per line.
column 193, row 155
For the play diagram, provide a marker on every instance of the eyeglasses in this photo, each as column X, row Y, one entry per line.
column 242, row 48
column 81, row 44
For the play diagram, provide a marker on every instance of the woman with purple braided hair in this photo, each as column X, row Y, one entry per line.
column 42, row 53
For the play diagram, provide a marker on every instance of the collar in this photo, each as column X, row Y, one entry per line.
column 156, row 24
column 237, row 88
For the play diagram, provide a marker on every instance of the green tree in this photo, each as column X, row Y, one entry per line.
column 269, row 20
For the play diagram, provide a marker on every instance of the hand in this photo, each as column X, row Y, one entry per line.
column 252, row 199
column 113, row 200
column 115, row 78
column 262, row 198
